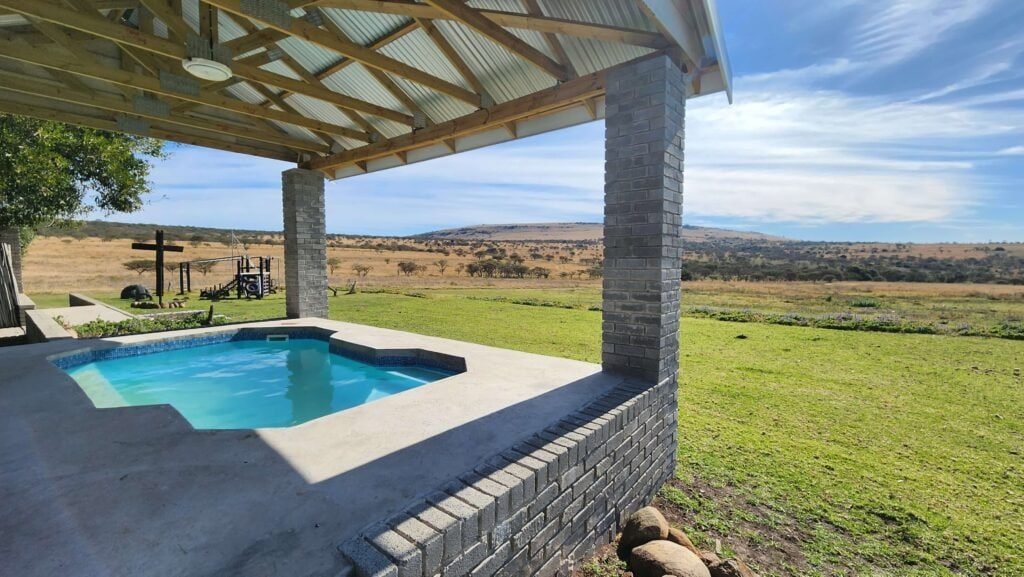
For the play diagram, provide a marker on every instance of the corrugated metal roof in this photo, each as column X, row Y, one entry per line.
column 504, row 75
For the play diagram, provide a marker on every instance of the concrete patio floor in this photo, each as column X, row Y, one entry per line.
column 136, row 491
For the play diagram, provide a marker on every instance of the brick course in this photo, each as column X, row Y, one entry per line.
column 618, row 451
column 644, row 131
column 305, row 244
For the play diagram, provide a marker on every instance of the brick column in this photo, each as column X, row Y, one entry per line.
column 10, row 236
column 644, row 132
column 305, row 244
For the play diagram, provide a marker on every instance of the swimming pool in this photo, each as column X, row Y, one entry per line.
column 246, row 384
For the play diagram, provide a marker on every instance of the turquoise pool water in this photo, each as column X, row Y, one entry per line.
column 246, row 384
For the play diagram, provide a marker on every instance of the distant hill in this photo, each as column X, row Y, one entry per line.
column 576, row 231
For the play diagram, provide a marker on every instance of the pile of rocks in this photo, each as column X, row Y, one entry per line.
column 653, row 549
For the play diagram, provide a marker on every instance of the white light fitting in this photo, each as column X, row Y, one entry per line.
column 205, row 69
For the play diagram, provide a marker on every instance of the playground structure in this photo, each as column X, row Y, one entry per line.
column 252, row 278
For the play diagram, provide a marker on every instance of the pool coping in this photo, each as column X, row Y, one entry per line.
column 388, row 453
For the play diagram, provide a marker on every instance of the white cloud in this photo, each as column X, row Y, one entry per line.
column 894, row 31
column 1012, row 151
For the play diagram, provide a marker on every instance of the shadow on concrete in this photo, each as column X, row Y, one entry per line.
column 136, row 491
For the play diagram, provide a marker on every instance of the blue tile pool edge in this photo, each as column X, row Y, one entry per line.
column 377, row 357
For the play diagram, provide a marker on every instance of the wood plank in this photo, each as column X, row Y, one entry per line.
column 173, row 21
column 576, row 90
column 456, row 10
column 448, row 50
column 554, row 44
column 324, row 39
column 510, row 20
column 50, row 60
column 390, row 85
column 98, row 26
column 382, row 41
column 155, row 131
column 53, row 91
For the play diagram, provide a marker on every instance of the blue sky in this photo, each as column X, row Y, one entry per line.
column 894, row 121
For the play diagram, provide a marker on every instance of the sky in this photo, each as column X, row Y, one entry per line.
column 899, row 121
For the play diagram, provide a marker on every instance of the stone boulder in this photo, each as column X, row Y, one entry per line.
column 661, row 558
column 730, row 568
column 647, row 524
column 679, row 538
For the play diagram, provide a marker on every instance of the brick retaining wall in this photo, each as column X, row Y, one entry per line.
column 541, row 506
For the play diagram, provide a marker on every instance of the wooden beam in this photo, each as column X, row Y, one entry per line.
column 573, row 91
column 382, row 41
column 173, row 21
column 53, row 91
column 456, row 10
column 554, row 44
column 155, row 131
column 98, row 26
column 449, row 51
column 50, row 60
column 510, row 20
column 367, row 57
column 390, row 85
column 255, row 40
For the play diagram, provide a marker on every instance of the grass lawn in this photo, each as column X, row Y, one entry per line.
column 808, row 451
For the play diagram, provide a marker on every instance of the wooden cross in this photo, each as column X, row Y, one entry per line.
column 160, row 248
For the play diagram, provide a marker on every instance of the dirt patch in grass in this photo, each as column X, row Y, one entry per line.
column 770, row 550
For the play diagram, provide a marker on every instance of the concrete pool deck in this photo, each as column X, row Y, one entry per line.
column 136, row 491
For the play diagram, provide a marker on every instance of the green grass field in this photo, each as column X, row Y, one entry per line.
column 807, row 451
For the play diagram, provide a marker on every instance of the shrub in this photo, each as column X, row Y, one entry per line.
column 101, row 329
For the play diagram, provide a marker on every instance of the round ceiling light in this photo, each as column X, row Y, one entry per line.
column 207, row 69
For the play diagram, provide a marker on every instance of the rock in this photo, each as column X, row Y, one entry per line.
column 661, row 558
column 647, row 524
column 731, row 568
column 679, row 538
column 709, row 558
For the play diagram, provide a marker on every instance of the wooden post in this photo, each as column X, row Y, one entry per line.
column 159, row 247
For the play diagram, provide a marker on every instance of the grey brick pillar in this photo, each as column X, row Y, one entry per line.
column 644, row 133
column 305, row 244
column 10, row 236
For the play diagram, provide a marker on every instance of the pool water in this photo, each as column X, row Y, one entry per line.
column 246, row 384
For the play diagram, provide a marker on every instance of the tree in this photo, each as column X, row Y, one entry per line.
column 52, row 173
column 140, row 266
column 441, row 265
column 203, row 267
column 195, row 240
column 407, row 267
column 361, row 269
column 333, row 263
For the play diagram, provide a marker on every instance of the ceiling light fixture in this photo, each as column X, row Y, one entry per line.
column 206, row 69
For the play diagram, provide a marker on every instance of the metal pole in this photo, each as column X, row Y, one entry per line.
column 160, row 267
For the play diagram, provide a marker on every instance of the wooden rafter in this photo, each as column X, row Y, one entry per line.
column 390, row 85
column 574, row 91
column 554, row 44
column 457, row 10
column 99, row 26
column 449, row 52
column 54, row 91
column 508, row 19
column 55, row 61
column 380, row 42
column 367, row 57
column 156, row 130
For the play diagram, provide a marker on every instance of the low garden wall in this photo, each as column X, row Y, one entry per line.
column 541, row 506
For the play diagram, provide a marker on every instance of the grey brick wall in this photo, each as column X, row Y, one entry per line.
column 541, row 506
column 305, row 243
column 644, row 132
column 10, row 236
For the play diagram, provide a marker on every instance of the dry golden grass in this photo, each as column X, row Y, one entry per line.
column 56, row 264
